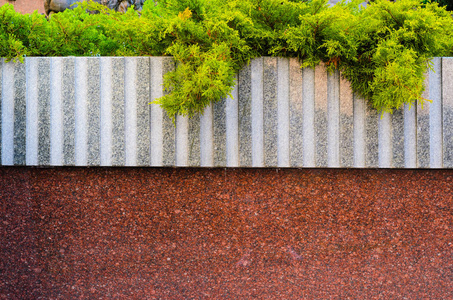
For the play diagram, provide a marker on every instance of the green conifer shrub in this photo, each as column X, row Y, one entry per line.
column 384, row 50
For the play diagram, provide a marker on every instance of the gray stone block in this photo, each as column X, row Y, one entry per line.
column 93, row 111
column 106, row 97
column 410, row 136
column 283, row 99
column 435, row 114
column 320, row 120
column 346, row 125
column 206, row 138
column 44, row 111
column 423, row 124
column 447, row 109
column 359, row 132
column 182, row 141
column 32, row 104
column 244, row 117
column 219, row 132
column 385, row 141
column 169, row 144
column 194, row 141
column 8, row 92
column 398, row 155
column 232, row 127
column 333, row 120
column 308, row 118
column 295, row 114
column 68, row 100
column 1, row 104
column 270, row 112
column 257, row 112
column 142, row 79
column 118, row 112
column 19, row 115
column 372, row 137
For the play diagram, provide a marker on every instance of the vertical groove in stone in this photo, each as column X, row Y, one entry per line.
column 219, row 133
column 156, row 121
column 106, row 95
column 398, row 138
column 19, row 114
column 130, row 110
column 372, row 138
column 232, row 127
column 93, row 114
column 320, row 116
column 447, row 110
column 244, row 118
column 308, row 118
column 194, row 141
column 182, row 141
column 118, row 131
column 44, row 111
column 283, row 96
column 168, row 127
column 346, row 125
column 68, row 99
column 206, row 138
column 422, row 113
column 359, row 132
column 410, row 136
column 143, row 111
column 385, row 138
column 270, row 112
column 435, row 114
column 295, row 113
column 1, row 104
column 81, row 111
column 8, row 114
column 257, row 112
column 333, row 119
column 32, row 80
column 57, row 77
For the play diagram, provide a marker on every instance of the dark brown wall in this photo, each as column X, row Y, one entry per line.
column 26, row 6
column 133, row 233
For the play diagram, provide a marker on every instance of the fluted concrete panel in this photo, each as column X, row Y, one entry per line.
column 447, row 111
column 96, row 111
column 1, row 104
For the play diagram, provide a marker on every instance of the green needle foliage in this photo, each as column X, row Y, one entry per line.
column 384, row 50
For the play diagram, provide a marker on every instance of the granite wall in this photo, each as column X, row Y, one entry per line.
column 94, row 111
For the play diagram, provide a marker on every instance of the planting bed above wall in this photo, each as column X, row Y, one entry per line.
column 94, row 112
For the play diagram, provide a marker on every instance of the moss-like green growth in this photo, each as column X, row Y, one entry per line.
column 383, row 50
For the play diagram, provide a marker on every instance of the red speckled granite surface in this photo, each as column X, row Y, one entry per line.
column 132, row 233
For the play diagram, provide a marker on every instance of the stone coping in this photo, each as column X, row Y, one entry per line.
column 94, row 111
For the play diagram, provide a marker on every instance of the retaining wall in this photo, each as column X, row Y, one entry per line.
column 90, row 111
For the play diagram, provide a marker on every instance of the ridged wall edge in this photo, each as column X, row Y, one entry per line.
column 95, row 112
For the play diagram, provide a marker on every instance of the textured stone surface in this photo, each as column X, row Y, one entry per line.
column 346, row 125
column 244, row 117
column 320, row 120
column 270, row 112
column 138, row 233
column 423, row 142
column 296, row 113
column 19, row 114
column 68, row 101
column 219, row 132
column 372, row 139
column 143, row 111
column 44, row 111
column 168, row 64
column 93, row 106
column 1, row 105
column 398, row 139
column 118, row 146
column 447, row 109
column 308, row 118
column 194, row 141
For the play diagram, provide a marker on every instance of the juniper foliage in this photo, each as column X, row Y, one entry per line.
column 384, row 50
